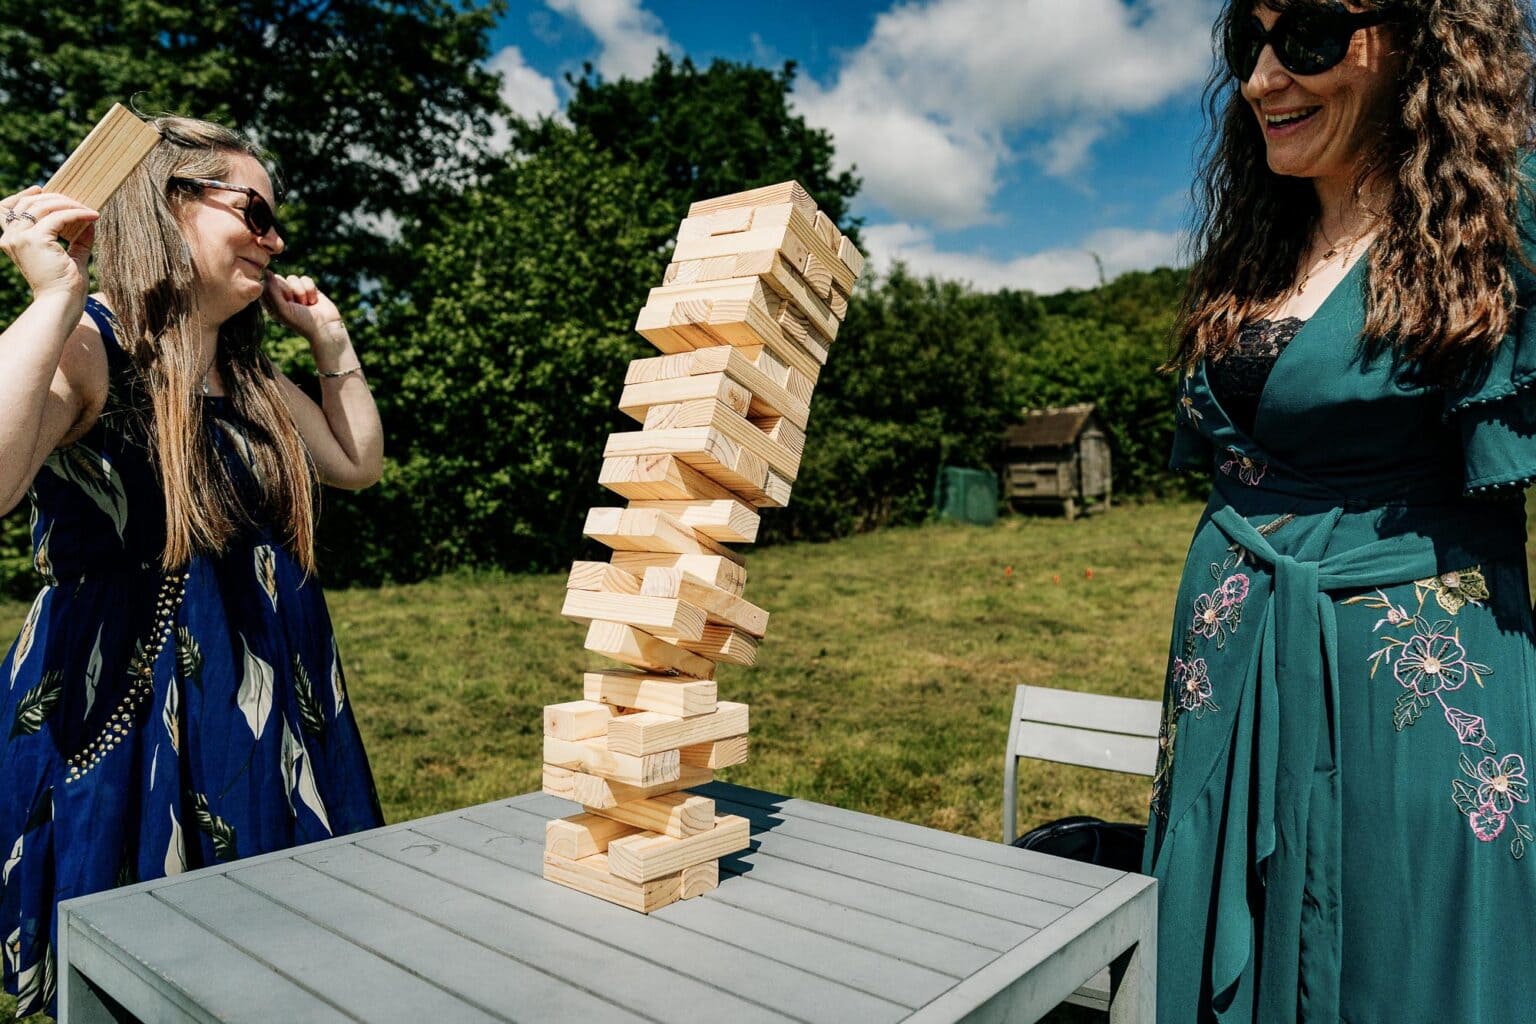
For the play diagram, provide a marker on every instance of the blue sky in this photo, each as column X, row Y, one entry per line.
column 1001, row 142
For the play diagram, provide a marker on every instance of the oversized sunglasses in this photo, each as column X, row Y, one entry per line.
column 258, row 214
column 1307, row 40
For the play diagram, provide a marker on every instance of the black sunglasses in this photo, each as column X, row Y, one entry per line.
column 258, row 214
column 1307, row 40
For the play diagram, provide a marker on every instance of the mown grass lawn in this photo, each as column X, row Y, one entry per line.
column 885, row 684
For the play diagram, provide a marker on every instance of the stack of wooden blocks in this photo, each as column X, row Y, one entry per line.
column 747, row 312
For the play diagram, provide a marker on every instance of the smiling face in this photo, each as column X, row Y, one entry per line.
column 229, row 259
column 1320, row 126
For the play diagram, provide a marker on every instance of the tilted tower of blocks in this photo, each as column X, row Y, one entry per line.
column 744, row 318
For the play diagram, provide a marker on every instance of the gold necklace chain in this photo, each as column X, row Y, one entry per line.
column 1327, row 257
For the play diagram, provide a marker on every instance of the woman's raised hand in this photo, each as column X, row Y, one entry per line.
column 304, row 309
column 30, row 224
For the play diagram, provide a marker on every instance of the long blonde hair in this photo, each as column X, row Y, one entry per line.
column 146, row 272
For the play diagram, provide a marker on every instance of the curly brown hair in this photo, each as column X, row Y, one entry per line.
column 1441, row 291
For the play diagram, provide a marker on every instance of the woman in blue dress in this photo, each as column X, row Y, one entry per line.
column 175, row 697
column 1343, row 821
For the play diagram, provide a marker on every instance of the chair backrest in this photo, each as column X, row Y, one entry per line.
column 1113, row 733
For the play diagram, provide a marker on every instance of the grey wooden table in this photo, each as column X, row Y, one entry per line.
column 830, row 916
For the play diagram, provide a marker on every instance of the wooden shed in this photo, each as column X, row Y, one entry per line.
column 1058, row 459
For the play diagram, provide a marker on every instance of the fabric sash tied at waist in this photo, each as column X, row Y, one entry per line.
column 1278, row 860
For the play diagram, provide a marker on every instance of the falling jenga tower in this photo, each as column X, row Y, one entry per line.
column 757, row 288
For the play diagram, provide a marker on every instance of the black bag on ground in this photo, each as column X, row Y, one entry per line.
column 1110, row 844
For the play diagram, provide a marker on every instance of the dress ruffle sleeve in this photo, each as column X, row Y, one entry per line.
column 1495, row 408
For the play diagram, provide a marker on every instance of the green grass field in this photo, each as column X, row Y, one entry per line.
column 885, row 683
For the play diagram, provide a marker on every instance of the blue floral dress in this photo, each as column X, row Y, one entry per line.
column 1342, row 824
column 151, row 723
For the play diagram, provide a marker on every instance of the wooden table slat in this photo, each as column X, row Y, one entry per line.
column 615, row 974
column 794, row 993
column 487, row 979
column 951, row 842
column 369, row 986
column 182, row 965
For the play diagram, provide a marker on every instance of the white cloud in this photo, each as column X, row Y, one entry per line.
column 528, row 93
column 925, row 107
column 628, row 34
column 1045, row 273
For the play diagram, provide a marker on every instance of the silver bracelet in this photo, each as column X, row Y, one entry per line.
column 340, row 373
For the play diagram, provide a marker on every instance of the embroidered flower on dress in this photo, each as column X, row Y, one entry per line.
column 1502, row 782
column 1192, row 682
column 1235, row 589
column 1486, row 823
column 1247, row 469
column 1209, row 613
column 1455, row 590
column 1432, row 664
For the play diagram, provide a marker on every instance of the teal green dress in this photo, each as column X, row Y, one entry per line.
column 1342, row 825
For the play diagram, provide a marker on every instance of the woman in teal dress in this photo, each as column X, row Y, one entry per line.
column 1343, row 826
column 175, row 697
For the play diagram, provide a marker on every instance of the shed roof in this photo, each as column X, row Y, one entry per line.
column 1049, row 428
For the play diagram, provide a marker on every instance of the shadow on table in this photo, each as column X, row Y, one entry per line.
column 761, row 809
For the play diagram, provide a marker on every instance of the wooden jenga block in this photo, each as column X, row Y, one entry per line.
column 698, row 879
column 807, row 337
column 722, row 643
column 650, row 529
column 602, row 576
column 661, row 477
column 796, row 238
column 781, row 431
column 787, row 287
column 638, row 399
column 784, row 192
column 658, row 616
column 716, row 754
column 747, row 321
column 722, row 223
column 707, row 450
column 646, row 856
column 592, row 791
column 727, row 574
column 110, row 152
column 719, row 605
column 666, row 694
column 838, row 303
column 730, row 426
column 827, row 230
column 724, row 520
column 629, row 645
column 819, row 276
column 851, row 258
column 582, row 835
column 769, row 395
column 647, row 732
column 593, row 757
column 676, row 814
column 776, row 491
column 577, row 719
column 591, row 876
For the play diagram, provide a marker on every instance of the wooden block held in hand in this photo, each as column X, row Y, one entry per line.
column 647, row 856
column 674, row 814
column 110, row 152
column 666, row 694
column 717, row 754
column 577, row 719
column 582, row 835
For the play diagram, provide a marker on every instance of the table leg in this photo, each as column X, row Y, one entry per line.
column 1133, row 976
column 81, row 1002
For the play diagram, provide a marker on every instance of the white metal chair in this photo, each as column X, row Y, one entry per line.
column 1117, row 734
